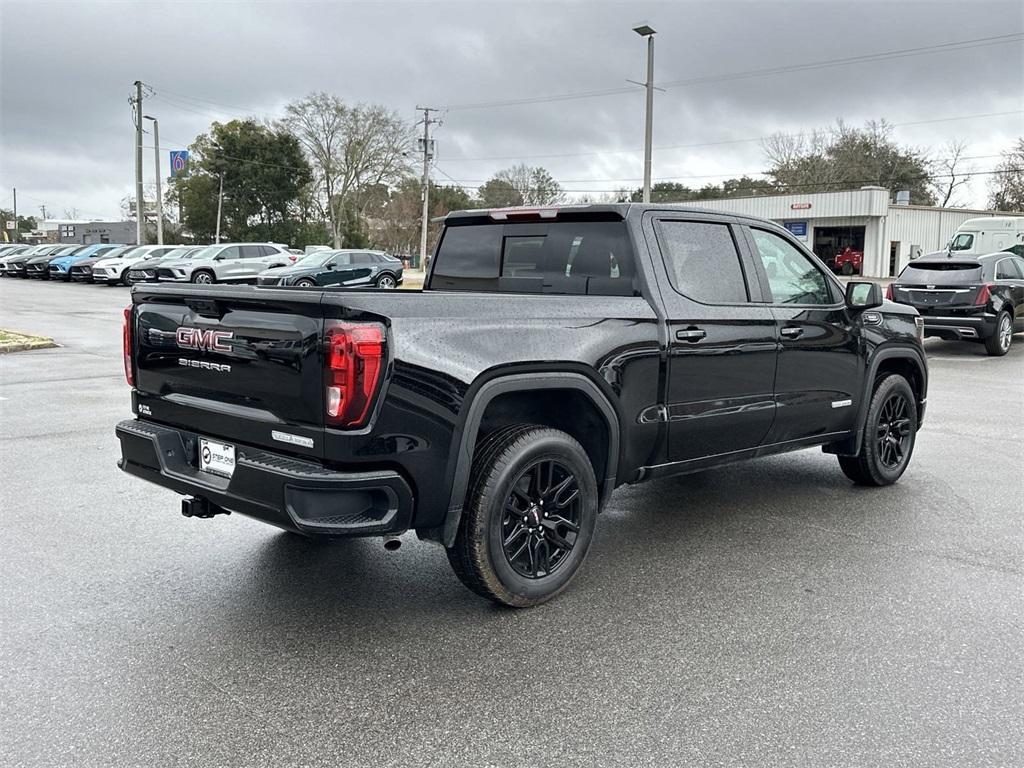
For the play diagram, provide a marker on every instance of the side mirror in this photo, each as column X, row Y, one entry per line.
column 863, row 295
column 332, row 265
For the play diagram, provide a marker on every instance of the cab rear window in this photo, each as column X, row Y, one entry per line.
column 560, row 257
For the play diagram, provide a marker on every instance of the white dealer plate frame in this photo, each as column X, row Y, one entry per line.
column 216, row 458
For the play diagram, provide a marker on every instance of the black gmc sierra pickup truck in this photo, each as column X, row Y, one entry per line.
column 553, row 355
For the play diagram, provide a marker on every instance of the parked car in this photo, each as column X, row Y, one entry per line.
column 81, row 269
column 38, row 267
column 848, row 262
column 115, row 270
column 145, row 270
column 17, row 267
column 9, row 254
column 60, row 267
column 966, row 298
column 226, row 263
column 349, row 268
column 552, row 356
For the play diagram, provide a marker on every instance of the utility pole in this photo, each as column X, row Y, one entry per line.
column 428, row 152
column 159, row 197
column 646, row 30
column 220, row 203
column 42, row 208
column 140, row 210
column 14, row 194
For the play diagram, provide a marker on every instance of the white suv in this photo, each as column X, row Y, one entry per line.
column 114, row 269
column 227, row 262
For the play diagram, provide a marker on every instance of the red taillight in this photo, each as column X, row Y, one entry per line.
column 353, row 364
column 888, row 292
column 984, row 294
column 126, row 337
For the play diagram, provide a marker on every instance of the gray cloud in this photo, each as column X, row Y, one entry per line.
column 67, row 69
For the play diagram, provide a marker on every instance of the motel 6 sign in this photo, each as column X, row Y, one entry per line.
column 179, row 163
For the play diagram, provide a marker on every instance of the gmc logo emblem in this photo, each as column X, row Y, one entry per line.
column 204, row 340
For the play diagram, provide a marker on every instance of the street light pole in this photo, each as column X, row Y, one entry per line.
column 156, row 165
column 645, row 30
column 427, row 155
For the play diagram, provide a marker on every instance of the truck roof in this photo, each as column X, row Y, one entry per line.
column 597, row 210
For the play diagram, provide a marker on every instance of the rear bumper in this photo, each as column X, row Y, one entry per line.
column 293, row 494
column 959, row 328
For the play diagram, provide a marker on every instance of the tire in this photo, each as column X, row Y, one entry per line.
column 305, row 283
column 847, row 269
column 203, row 277
column 889, row 434
column 998, row 344
column 516, row 561
column 386, row 281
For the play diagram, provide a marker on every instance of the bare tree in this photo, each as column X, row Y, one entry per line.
column 950, row 173
column 354, row 151
column 535, row 185
column 1006, row 185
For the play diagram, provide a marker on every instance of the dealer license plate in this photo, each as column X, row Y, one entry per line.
column 216, row 458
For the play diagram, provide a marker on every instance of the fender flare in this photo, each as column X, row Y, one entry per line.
column 523, row 382
column 880, row 356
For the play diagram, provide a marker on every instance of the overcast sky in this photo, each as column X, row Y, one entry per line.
column 66, row 135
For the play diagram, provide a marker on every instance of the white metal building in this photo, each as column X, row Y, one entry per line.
column 864, row 219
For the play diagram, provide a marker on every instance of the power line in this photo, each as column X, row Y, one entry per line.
column 768, row 185
column 733, row 175
column 718, row 143
column 865, row 58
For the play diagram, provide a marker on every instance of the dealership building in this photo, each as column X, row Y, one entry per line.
column 866, row 219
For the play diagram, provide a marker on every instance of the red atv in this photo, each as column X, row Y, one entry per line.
column 849, row 262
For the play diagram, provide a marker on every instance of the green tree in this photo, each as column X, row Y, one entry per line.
column 264, row 173
column 25, row 223
column 499, row 193
column 845, row 157
column 1006, row 185
column 673, row 192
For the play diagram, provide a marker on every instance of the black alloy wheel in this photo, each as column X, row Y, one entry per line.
column 529, row 515
column 894, row 429
column 541, row 518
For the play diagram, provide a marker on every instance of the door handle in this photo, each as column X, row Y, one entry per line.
column 792, row 332
column 691, row 334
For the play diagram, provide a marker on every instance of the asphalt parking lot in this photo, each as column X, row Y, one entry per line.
column 766, row 614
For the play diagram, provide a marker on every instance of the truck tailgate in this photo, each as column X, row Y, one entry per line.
column 229, row 363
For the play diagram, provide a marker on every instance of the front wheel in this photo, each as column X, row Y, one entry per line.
column 304, row 283
column 529, row 516
column 889, row 435
column 998, row 344
column 202, row 277
column 847, row 269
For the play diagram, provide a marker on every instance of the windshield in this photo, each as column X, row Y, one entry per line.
column 962, row 242
column 207, row 253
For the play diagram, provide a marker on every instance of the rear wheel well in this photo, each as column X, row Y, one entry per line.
column 568, row 410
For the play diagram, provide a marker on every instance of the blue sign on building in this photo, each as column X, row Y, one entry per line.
column 798, row 228
column 179, row 163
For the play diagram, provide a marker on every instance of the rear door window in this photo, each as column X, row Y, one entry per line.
column 703, row 261
column 1006, row 269
column 252, row 252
